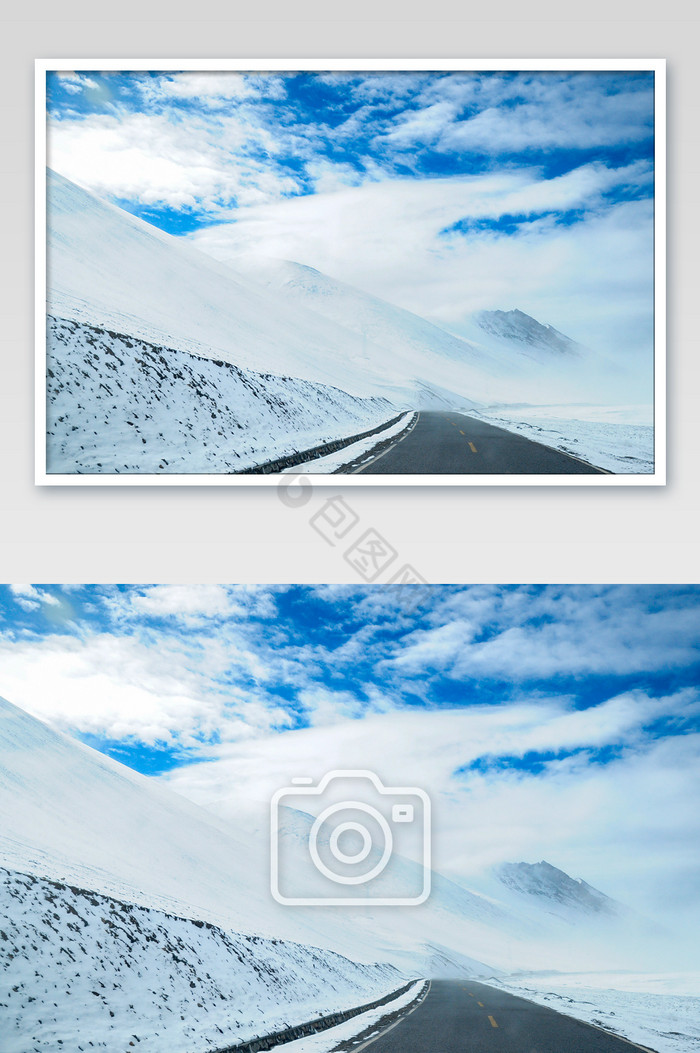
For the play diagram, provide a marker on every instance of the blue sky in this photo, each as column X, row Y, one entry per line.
column 263, row 137
column 161, row 675
column 557, row 722
column 442, row 192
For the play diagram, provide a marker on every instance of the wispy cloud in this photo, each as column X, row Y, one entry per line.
column 31, row 598
column 241, row 660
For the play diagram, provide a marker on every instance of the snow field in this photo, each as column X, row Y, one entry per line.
column 665, row 1022
column 619, row 447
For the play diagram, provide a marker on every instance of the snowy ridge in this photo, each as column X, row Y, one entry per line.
column 85, row 971
column 547, row 882
column 503, row 354
column 517, row 329
column 116, row 403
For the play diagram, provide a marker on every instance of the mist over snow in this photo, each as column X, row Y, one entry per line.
column 390, row 239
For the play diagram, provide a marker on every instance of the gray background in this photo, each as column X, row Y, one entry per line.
column 475, row 534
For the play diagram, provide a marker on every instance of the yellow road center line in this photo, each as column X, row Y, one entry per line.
column 471, row 995
column 493, row 1022
column 461, row 432
column 472, row 447
column 481, row 1004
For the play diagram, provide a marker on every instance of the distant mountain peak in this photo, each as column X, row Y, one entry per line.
column 517, row 326
column 549, row 883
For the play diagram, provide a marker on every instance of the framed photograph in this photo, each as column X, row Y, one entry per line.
column 237, row 818
column 366, row 271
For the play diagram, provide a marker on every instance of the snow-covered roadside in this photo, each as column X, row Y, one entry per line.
column 80, row 970
column 371, row 1021
column 333, row 461
column 605, row 439
column 659, row 1012
column 116, row 404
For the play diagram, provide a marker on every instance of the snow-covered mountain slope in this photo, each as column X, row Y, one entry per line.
column 112, row 270
column 70, row 814
column 497, row 355
column 80, row 970
column 117, row 404
column 422, row 357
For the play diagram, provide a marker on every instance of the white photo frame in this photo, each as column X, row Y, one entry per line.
column 655, row 66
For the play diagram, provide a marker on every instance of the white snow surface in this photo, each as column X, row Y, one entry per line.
column 659, row 1010
column 332, row 462
column 616, row 438
column 372, row 1021
column 85, row 971
column 117, row 404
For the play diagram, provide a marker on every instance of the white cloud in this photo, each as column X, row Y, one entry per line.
column 497, row 114
column 550, row 634
column 599, row 822
column 193, row 604
column 31, row 598
column 593, row 281
column 212, row 88
column 160, row 159
column 75, row 83
column 182, row 601
column 176, row 690
column 329, row 176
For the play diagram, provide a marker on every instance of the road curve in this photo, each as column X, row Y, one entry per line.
column 443, row 443
column 459, row 1016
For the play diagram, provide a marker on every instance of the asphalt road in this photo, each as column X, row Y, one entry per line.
column 454, row 444
column 459, row 1016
